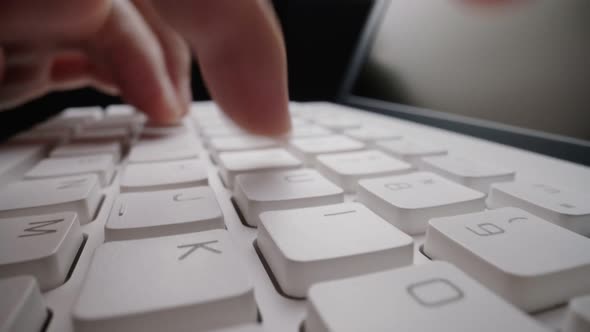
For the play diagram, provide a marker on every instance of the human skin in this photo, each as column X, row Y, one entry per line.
column 141, row 50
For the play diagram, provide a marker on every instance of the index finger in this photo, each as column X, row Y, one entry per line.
column 240, row 51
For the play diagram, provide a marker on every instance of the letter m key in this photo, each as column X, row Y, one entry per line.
column 40, row 228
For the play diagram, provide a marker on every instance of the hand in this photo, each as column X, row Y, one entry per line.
column 140, row 50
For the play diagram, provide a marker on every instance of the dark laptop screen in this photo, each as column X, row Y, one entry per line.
column 524, row 63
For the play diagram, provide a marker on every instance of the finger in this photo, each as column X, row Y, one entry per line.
column 176, row 51
column 63, row 70
column 242, row 58
column 132, row 53
column 2, row 64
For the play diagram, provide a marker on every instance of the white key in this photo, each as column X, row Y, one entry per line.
column 190, row 282
column 577, row 318
column 60, row 124
column 164, row 175
column 102, row 165
column 308, row 148
column 370, row 134
column 103, row 134
column 430, row 297
column 309, row 131
column 346, row 169
column 164, row 131
column 237, row 143
column 409, row 150
column 132, row 124
column 21, row 305
column 165, row 149
column 43, row 246
column 233, row 163
column 80, row 194
column 121, row 110
column 409, row 201
column 168, row 212
column 470, row 173
column 565, row 208
column 279, row 190
column 528, row 261
column 16, row 159
column 311, row 245
column 85, row 113
column 338, row 123
column 222, row 131
column 88, row 149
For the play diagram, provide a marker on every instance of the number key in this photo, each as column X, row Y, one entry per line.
column 528, row 261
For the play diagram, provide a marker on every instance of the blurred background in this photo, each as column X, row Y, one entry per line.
column 320, row 37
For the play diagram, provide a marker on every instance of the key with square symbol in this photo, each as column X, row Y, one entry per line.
column 435, row 296
column 307, row 149
column 346, row 169
column 241, row 162
column 88, row 149
column 80, row 194
column 102, row 165
column 506, row 250
column 278, row 190
column 164, row 175
column 166, row 212
column 43, row 246
column 577, row 318
column 565, row 208
column 166, row 279
column 409, row 201
column 22, row 308
column 311, row 245
column 410, row 150
column 473, row 174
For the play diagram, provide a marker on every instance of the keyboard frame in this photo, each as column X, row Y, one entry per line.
column 279, row 313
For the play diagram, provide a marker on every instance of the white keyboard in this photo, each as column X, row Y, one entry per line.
column 107, row 224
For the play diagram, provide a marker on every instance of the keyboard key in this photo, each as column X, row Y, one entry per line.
column 577, row 318
column 430, row 297
column 164, row 175
column 80, row 194
column 528, row 261
column 222, row 130
column 242, row 328
column 308, row 148
column 238, row 143
column 565, row 208
column 309, row 131
column 88, row 149
column 164, row 131
column 43, row 246
column 278, row 190
column 15, row 159
column 85, row 114
column 21, row 305
column 102, row 165
column 160, row 213
column 409, row 201
column 302, row 248
column 233, row 163
column 470, row 173
column 103, row 135
column 164, row 149
column 346, row 169
column 190, row 282
column 120, row 111
column 409, row 150
column 339, row 123
column 370, row 134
